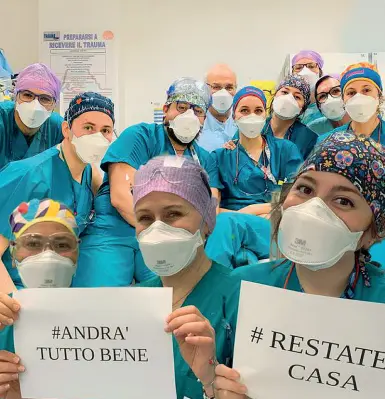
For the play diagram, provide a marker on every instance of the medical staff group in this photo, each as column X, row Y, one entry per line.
column 198, row 203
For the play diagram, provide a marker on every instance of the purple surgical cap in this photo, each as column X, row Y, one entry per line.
column 313, row 55
column 40, row 77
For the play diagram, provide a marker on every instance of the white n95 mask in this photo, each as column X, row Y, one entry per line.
column 333, row 108
column 90, row 148
column 310, row 76
column 167, row 250
column 32, row 114
column 312, row 235
column 186, row 126
column 251, row 125
column 222, row 101
column 286, row 107
column 361, row 108
column 46, row 270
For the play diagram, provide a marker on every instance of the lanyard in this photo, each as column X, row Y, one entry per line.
column 194, row 155
column 350, row 130
column 268, row 129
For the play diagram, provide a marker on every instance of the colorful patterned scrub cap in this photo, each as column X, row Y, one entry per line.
column 87, row 102
column 246, row 92
column 361, row 160
column 36, row 211
column 190, row 91
column 361, row 71
column 299, row 83
column 40, row 77
column 180, row 176
column 313, row 55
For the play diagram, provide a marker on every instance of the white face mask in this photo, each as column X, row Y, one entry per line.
column 186, row 126
column 46, row 270
column 251, row 125
column 312, row 235
column 361, row 108
column 222, row 101
column 286, row 107
column 333, row 108
column 90, row 148
column 167, row 250
column 32, row 114
column 310, row 76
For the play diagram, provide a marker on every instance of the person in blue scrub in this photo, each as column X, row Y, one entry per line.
column 29, row 125
column 175, row 213
column 4, row 63
column 109, row 251
column 328, row 220
column 329, row 101
column 63, row 172
column 257, row 166
column 309, row 64
column 219, row 126
column 362, row 89
column 44, row 234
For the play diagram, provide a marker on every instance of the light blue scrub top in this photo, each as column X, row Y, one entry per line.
column 321, row 126
column 215, row 133
column 275, row 273
column 13, row 145
column 216, row 297
column 311, row 114
column 43, row 176
column 239, row 239
column 251, row 186
column 299, row 134
column 109, row 252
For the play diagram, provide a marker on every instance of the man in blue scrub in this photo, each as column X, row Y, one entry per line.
column 109, row 253
column 219, row 126
column 29, row 126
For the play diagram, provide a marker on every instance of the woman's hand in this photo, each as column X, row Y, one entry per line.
column 10, row 367
column 9, row 310
column 230, row 145
column 196, row 339
column 227, row 385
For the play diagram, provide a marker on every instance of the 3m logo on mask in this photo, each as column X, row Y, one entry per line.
column 160, row 262
column 299, row 241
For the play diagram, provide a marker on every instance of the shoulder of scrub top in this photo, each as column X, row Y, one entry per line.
column 320, row 126
column 376, row 291
column 134, row 146
column 324, row 136
column 7, row 107
column 56, row 119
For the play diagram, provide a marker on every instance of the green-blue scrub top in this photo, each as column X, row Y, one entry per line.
column 14, row 146
column 275, row 273
column 311, row 114
column 243, row 183
column 304, row 138
column 216, row 297
column 321, row 126
column 43, row 176
column 239, row 239
column 109, row 251
column 377, row 252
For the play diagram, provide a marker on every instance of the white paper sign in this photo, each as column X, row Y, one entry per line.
column 299, row 346
column 95, row 343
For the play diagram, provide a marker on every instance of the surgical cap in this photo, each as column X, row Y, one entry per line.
column 361, row 71
column 249, row 91
column 299, row 83
column 87, row 102
column 40, row 77
column 36, row 211
column 361, row 160
column 190, row 91
column 179, row 176
column 312, row 55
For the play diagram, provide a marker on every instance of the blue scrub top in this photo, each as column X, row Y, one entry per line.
column 311, row 114
column 275, row 273
column 377, row 252
column 252, row 187
column 215, row 133
column 321, row 126
column 43, row 176
column 13, row 145
column 239, row 239
column 304, row 138
column 216, row 297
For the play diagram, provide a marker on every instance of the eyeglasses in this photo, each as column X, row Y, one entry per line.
column 182, row 107
column 216, row 87
column 44, row 99
column 335, row 92
column 310, row 65
column 61, row 243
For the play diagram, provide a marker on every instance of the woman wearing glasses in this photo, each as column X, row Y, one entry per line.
column 329, row 101
column 29, row 126
column 62, row 172
column 45, row 251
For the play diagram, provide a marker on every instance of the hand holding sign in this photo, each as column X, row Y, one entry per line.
column 227, row 385
column 9, row 310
